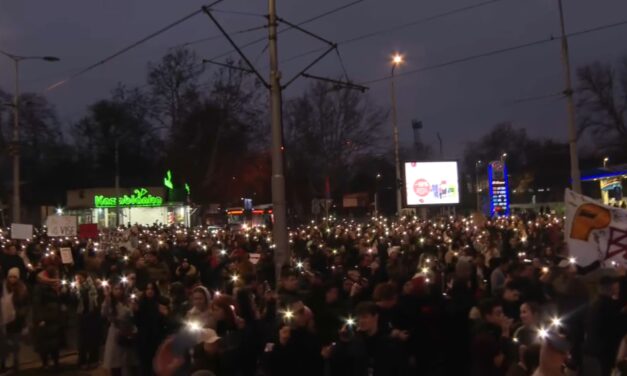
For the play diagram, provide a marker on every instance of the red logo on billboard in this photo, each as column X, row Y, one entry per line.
column 421, row 187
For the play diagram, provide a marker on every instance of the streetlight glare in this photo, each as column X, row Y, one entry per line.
column 397, row 59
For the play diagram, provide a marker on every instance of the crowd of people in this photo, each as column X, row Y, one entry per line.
column 450, row 295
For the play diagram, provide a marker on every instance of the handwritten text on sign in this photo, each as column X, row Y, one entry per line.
column 61, row 225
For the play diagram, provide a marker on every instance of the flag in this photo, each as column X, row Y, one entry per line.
column 595, row 233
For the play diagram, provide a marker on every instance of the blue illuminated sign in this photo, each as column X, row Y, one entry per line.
column 499, row 188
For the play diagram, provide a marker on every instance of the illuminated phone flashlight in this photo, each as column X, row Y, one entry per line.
column 73, row 284
column 223, row 252
column 543, row 333
column 217, row 293
column 193, row 326
column 124, row 279
column 64, row 282
column 350, row 322
column 425, row 270
column 133, row 296
column 556, row 322
column 288, row 315
column 299, row 265
column 572, row 260
column 234, row 278
column 104, row 283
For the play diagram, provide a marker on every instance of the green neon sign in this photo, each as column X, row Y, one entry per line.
column 167, row 180
column 140, row 197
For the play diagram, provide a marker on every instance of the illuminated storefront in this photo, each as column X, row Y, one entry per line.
column 144, row 206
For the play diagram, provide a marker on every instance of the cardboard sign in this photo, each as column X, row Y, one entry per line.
column 66, row 255
column 88, row 231
column 21, row 231
column 61, row 225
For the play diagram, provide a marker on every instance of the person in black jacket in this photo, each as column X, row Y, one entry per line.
column 298, row 351
column 491, row 341
column 368, row 352
column 151, row 318
column 9, row 259
column 605, row 327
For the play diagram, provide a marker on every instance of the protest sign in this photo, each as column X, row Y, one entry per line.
column 595, row 232
column 66, row 255
column 21, row 231
column 88, row 231
column 61, row 225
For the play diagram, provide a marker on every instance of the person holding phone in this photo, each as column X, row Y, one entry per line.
column 364, row 349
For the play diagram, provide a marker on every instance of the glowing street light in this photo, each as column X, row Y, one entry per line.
column 605, row 160
column 397, row 59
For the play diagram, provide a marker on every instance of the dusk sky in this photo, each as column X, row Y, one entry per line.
column 461, row 101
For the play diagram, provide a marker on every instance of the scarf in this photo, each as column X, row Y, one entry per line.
column 92, row 296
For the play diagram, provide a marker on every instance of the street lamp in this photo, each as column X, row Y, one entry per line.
column 376, row 194
column 605, row 160
column 477, row 189
column 397, row 60
column 15, row 150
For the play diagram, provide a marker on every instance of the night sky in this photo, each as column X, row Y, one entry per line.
column 460, row 101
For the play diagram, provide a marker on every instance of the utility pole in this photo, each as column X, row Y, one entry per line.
column 282, row 252
column 575, row 174
column 397, row 163
column 279, row 229
column 17, row 211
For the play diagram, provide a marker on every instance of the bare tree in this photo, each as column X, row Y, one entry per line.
column 326, row 130
column 602, row 104
column 174, row 85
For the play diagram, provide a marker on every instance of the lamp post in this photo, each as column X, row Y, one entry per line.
column 477, row 189
column 15, row 150
column 605, row 160
column 376, row 194
column 397, row 59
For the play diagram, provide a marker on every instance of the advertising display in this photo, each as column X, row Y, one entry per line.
column 499, row 188
column 431, row 183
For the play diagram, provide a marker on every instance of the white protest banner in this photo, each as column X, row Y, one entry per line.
column 21, row 231
column 66, row 255
column 595, row 232
column 61, row 225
